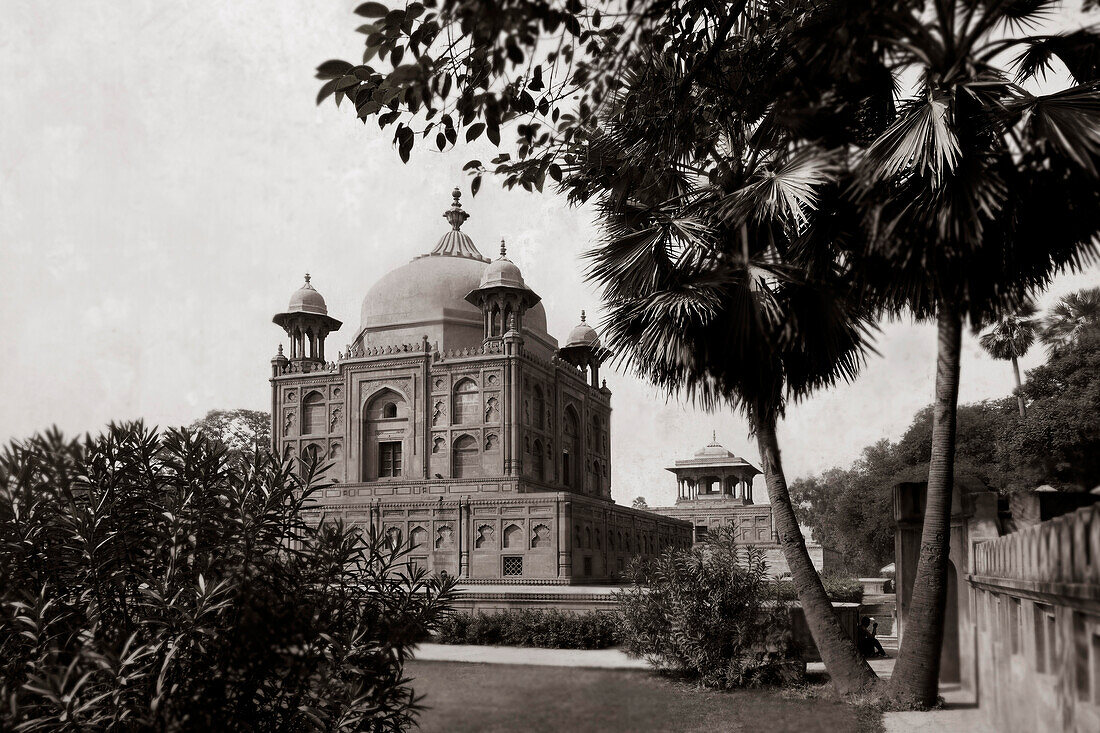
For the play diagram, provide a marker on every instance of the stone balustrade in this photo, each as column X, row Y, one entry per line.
column 1061, row 555
column 1035, row 601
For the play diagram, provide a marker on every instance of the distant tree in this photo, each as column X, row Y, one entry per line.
column 241, row 431
column 1073, row 315
column 1059, row 444
column 152, row 582
column 639, row 503
column 851, row 510
column 1010, row 338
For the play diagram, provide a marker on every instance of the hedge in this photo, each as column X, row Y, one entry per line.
column 548, row 629
column 839, row 588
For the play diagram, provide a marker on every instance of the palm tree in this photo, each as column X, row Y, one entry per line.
column 1010, row 338
column 973, row 198
column 1074, row 314
column 713, row 291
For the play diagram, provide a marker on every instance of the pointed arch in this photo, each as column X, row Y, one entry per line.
column 465, row 457
column 570, row 448
column 513, row 536
column 313, row 414
column 385, row 432
column 538, row 463
column 465, row 402
column 538, row 404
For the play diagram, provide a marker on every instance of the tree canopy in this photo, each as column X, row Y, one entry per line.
column 241, row 431
column 1057, row 444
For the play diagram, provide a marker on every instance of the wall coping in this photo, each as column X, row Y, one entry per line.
column 1062, row 553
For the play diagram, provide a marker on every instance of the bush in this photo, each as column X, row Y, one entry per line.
column 840, row 588
column 546, row 629
column 709, row 613
column 149, row 582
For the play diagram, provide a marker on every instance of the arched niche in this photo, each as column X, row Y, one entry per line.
column 386, row 436
column 570, row 449
column 314, row 419
column 466, row 402
column 465, row 457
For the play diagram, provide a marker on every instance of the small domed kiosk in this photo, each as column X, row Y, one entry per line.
column 307, row 323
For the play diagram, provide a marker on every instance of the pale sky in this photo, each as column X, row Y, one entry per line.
column 166, row 179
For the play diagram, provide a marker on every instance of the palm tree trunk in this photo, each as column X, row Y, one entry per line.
column 915, row 681
column 848, row 670
column 1019, row 395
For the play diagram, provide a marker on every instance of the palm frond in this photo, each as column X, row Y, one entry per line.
column 921, row 139
column 1079, row 51
column 1069, row 121
column 1018, row 15
column 787, row 192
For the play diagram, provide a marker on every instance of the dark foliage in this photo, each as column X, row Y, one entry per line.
column 150, row 582
column 548, row 629
column 840, row 588
column 1057, row 444
column 709, row 613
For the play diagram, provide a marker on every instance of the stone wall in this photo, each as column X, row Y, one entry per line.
column 1036, row 604
column 539, row 537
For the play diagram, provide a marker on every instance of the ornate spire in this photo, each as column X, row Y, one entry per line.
column 582, row 316
column 456, row 243
column 455, row 215
column 503, row 249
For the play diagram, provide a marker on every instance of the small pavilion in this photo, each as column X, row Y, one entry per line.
column 714, row 473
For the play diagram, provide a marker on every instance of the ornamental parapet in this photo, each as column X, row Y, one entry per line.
column 358, row 351
column 1059, row 556
column 489, row 348
column 308, row 367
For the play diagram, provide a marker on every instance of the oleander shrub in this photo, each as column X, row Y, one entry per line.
column 840, row 588
column 709, row 613
column 548, row 629
column 149, row 581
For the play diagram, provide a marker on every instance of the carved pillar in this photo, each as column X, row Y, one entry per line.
column 426, row 402
column 565, row 543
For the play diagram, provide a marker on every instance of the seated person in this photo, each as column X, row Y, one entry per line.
column 866, row 642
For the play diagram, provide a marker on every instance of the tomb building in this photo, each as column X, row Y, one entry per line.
column 455, row 421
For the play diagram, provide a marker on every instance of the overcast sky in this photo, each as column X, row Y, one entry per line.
column 166, row 179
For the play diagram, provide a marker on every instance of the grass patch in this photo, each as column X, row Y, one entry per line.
column 496, row 697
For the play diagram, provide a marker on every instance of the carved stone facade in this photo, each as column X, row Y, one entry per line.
column 491, row 455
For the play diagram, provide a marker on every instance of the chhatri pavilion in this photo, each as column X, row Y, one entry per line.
column 714, row 488
column 454, row 420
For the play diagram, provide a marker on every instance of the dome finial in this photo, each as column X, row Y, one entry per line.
column 582, row 316
column 714, row 437
column 503, row 249
column 455, row 215
column 307, row 278
column 280, row 349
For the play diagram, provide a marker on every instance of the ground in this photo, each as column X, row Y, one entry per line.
column 505, row 697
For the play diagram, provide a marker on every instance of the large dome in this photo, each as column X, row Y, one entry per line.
column 427, row 296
